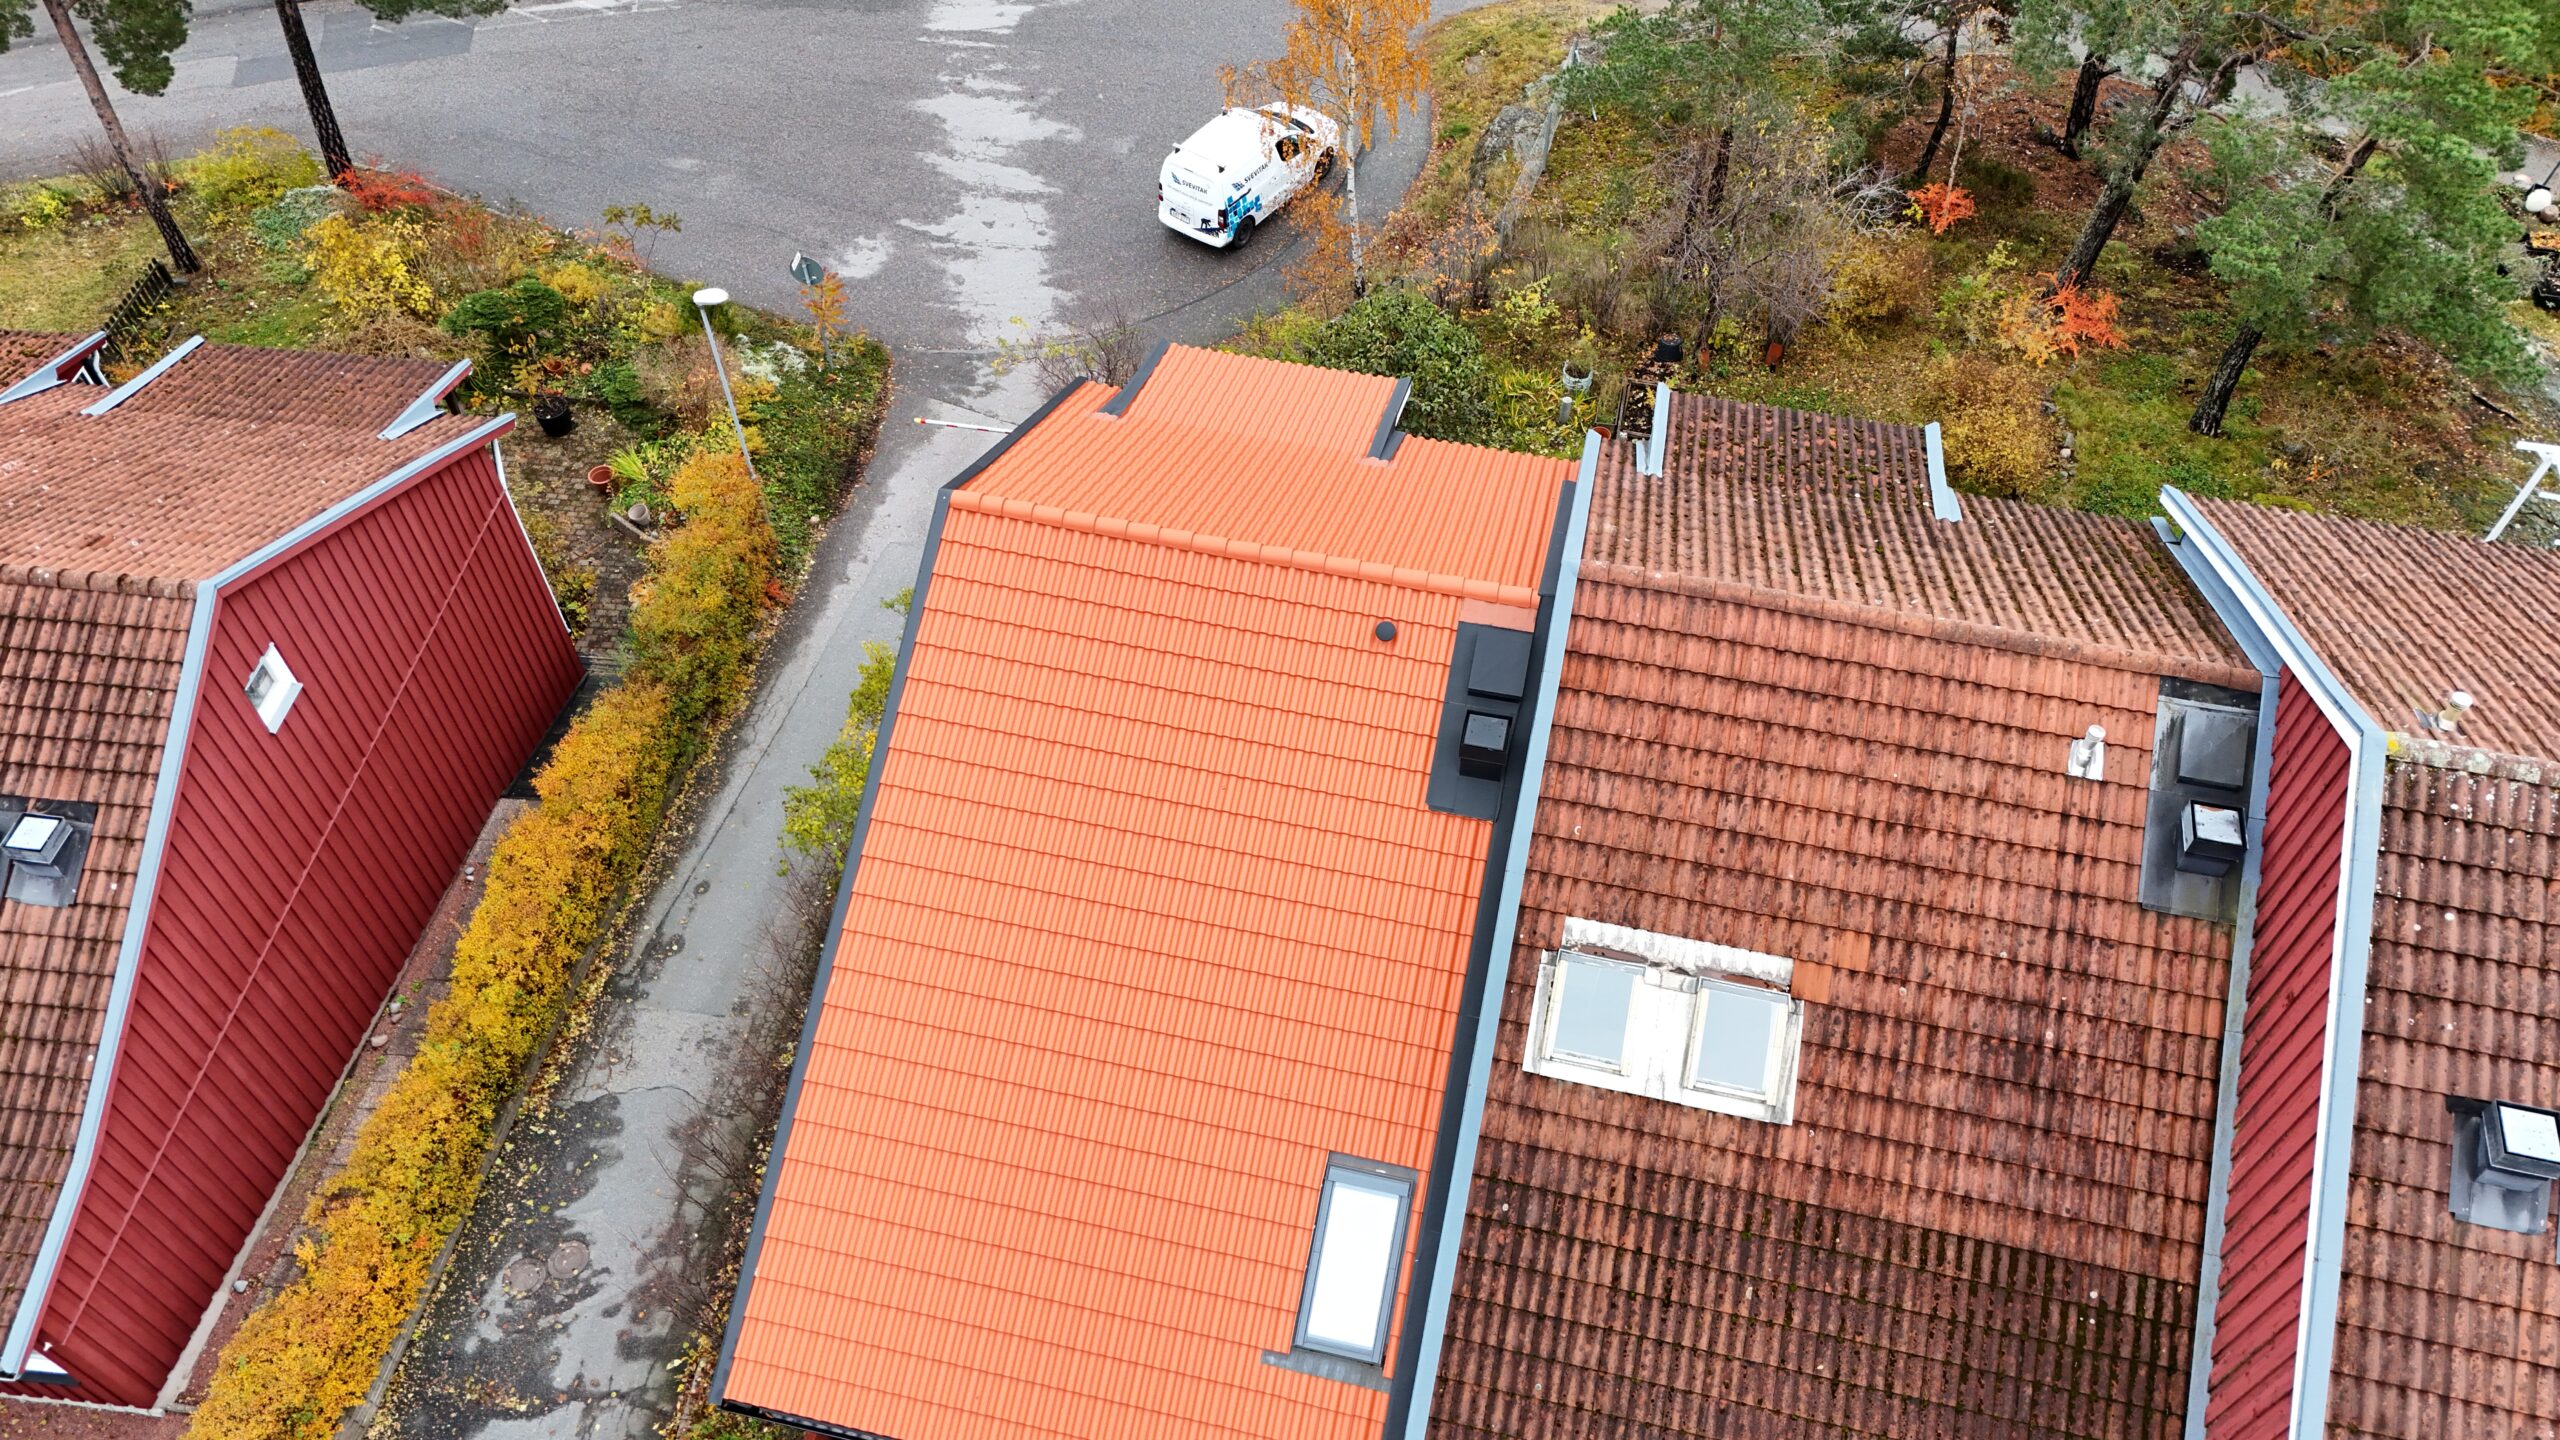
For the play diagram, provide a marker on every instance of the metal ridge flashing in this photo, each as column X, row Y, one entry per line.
column 1422, row 1374
column 146, row 872
column 1118, row 404
column 1943, row 503
column 1382, row 446
column 1650, row 455
column 49, row 374
column 428, row 405
column 158, row 368
column 2206, row 553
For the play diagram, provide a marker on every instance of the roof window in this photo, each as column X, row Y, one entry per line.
column 271, row 689
column 2504, row 1159
column 1358, row 1249
column 42, row 844
column 1669, row 1018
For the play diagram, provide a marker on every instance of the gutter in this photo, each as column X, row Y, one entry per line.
column 1409, row 1408
column 155, row 837
column 2263, row 629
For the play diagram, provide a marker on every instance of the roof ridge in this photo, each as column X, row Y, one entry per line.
column 1965, row 632
column 52, row 577
column 1177, row 539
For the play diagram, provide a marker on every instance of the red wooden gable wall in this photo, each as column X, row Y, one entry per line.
column 299, row 868
column 2284, row 1036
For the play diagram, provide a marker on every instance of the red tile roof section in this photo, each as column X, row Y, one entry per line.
column 225, row 451
column 1150, row 917
column 2403, row 615
column 2445, row 1328
column 1987, row 1218
column 22, row 351
column 88, row 670
column 1837, row 509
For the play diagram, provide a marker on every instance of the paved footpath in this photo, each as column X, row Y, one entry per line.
column 964, row 163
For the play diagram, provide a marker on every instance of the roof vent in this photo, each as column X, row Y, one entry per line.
column 2457, row 704
column 2504, row 1159
column 2196, row 829
column 1480, row 714
column 41, row 846
column 2088, row 757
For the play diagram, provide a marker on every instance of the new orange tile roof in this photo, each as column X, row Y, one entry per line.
column 1148, row 918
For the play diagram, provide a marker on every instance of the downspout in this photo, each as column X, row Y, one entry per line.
column 2269, row 635
column 1424, row 1374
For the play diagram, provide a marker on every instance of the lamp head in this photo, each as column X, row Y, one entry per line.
column 709, row 296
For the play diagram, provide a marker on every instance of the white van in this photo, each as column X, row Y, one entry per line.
column 1235, row 171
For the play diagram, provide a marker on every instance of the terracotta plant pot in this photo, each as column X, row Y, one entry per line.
column 600, row 476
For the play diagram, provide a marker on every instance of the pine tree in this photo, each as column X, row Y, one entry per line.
column 137, row 37
column 2399, row 223
column 2192, row 51
column 306, row 65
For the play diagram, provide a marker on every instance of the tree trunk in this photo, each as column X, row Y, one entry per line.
column 1946, row 111
column 2094, row 71
column 1351, row 198
column 315, row 92
column 182, row 256
column 2126, row 177
column 2226, row 378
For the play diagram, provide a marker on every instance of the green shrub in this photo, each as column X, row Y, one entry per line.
column 40, row 204
column 307, row 1354
column 281, row 225
column 513, row 319
column 1399, row 331
column 246, row 168
column 817, row 819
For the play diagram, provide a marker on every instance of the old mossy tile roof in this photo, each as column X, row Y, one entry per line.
column 1150, row 917
column 1799, row 716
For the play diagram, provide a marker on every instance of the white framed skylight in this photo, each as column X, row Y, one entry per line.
column 1668, row 1018
column 1346, row 1305
column 271, row 689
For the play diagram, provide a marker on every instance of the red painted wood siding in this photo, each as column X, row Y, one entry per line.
column 299, row 869
column 2283, row 1037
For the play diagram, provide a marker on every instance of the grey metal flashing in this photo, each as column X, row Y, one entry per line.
column 1650, row 455
column 2198, row 543
column 49, row 374
column 1329, row 1367
column 428, row 405
column 1119, row 404
column 158, row 368
column 1382, row 446
column 146, row 876
column 1436, row 1249
column 2227, row 1086
column 1943, row 502
column 2254, row 642
column 835, row 927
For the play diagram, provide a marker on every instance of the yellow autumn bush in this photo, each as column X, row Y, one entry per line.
column 308, row 1354
column 1998, row 439
column 363, row 266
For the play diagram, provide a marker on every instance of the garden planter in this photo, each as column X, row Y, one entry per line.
column 1577, row 377
column 551, row 412
column 600, row 476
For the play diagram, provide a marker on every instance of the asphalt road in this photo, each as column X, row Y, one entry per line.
column 965, row 164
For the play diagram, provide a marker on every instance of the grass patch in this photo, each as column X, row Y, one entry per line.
column 1482, row 60
column 66, row 276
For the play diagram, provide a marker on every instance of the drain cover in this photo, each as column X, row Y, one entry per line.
column 567, row 1259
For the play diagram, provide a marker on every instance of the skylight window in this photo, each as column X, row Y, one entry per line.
column 271, row 689
column 1352, row 1265
column 1588, row 1021
column 1669, row 1018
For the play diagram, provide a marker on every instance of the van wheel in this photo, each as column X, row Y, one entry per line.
column 1324, row 166
column 1244, row 233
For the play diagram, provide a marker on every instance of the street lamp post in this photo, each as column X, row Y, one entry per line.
column 703, row 300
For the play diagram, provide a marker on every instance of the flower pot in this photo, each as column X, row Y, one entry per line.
column 551, row 412
column 600, row 476
column 1577, row 377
